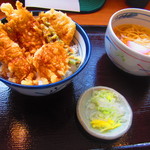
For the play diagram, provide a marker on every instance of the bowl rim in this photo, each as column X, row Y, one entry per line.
column 118, row 40
column 91, row 131
column 81, row 67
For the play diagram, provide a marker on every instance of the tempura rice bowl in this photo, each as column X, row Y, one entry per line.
column 80, row 40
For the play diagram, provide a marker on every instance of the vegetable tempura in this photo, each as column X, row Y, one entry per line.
column 36, row 50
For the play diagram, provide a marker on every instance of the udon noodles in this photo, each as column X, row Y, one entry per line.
column 136, row 37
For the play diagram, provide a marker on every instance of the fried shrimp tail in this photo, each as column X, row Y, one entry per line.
column 7, row 8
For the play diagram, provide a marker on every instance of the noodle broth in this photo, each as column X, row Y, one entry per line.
column 136, row 37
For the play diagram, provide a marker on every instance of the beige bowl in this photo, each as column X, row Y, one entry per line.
column 121, row 55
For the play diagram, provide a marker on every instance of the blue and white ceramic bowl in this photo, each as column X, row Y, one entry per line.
column 82, row 41
column 121, row 55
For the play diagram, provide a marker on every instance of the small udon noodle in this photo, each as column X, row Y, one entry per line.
column 134, row 33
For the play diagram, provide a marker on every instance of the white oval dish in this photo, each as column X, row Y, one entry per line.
column 112, row 134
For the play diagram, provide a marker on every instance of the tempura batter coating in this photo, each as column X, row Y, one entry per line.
column 51, row 61
column 12, row 58
column 22, row 27
column 35, row 50
column 8, row 48
column 19, row 68
column 61, row 23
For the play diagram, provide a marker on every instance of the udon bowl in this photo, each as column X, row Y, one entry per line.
column 83, row 43
column 121, row 55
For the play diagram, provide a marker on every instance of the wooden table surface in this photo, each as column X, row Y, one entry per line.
column 100, row 17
